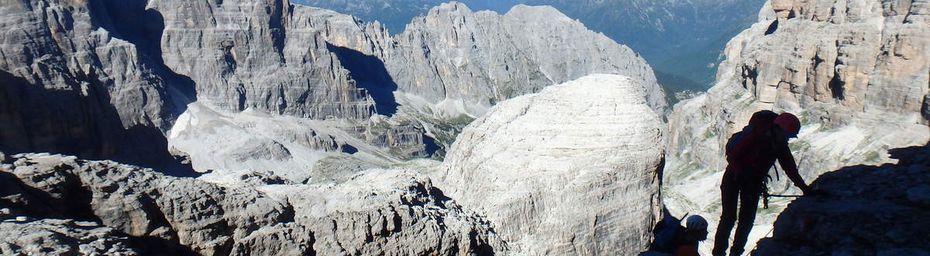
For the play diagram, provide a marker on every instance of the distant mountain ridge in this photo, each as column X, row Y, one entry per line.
column 681, row 39
column 142, row 81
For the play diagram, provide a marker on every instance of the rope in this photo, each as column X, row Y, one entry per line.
column 770, row 195
column 765, row 236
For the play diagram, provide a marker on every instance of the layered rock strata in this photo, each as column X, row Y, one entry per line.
column 451, row 65
column 73, row 80
column 484, row 57
column 107, row 79
column 61, row 237
column 855, row 72
column 380, row 212
column 573, row 169
column 431, row 80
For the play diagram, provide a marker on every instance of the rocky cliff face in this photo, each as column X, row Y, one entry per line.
column 257, row 54
column 553, row 192
column 433, row 79
column 855, row 72
column 294, row 112
column 74, row 80
column 681, row 39
column 380, row 212
column 573, row 169
column 451, row 65
column 119, row 73
column 483, row 58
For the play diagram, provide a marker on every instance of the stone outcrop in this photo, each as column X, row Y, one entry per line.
column 573, row 169
column 483, row 57
column 275, row 94
column 75, row 81
column 380, row 212
column 430, row 80
column 107, row 79
column 61, row 237
column 855, row 72
column 257, row 53
column 866, row 210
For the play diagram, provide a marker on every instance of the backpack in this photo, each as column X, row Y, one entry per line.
column 667, row 234
column 755, row 140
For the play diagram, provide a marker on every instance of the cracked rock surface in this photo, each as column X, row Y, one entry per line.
column 856, row 73
column 389, row 212
column 573, row 169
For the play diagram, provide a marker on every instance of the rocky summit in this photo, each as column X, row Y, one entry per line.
column 533, row 169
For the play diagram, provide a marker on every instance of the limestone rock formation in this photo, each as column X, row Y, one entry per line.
column 431, row 80
column 483, row 57
column 380, row 212
column 866, row 210
column 451, row 65
column 257, row 53
column 855, row 72
column 296, row 112
column 74, row 80
column 61, row 237
column 117, row 74
column 573, row 169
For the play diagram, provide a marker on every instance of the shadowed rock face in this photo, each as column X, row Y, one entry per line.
column 681, row 39
column 454, row 53
column 573, row 169
column 867, row 210
column 389, row 212
column 855, row 72
column 71, row 85
column 834, row 64
column 107, row 79
column 62, row 237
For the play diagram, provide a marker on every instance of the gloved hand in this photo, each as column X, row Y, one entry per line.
column 808, row 191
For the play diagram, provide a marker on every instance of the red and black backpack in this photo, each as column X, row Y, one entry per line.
column 745, row 148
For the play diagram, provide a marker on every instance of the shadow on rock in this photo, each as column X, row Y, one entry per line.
column 39, row 119
column 370, row 74
column 864, row 210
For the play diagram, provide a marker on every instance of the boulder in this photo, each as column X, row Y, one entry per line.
column 573, row 169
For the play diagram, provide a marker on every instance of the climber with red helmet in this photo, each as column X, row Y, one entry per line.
column 750, row 154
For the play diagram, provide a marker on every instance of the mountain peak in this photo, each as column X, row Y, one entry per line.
column 542, row 11
column 451, row 7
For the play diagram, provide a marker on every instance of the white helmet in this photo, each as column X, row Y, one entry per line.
column 696, row 222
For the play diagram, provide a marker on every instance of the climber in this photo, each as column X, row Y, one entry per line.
column 750, row 154
column 674, row 239
column 694, row 234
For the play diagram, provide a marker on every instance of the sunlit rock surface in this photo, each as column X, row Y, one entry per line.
column 391, row 212
column 573, row 169
column 855, row 72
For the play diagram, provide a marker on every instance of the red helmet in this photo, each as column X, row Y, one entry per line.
column 788, row 123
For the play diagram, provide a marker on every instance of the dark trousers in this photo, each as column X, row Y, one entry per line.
column 747, row 190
